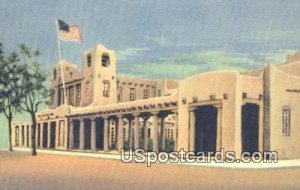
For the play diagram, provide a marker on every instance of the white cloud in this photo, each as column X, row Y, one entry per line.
column 130, row 53
column 185, row 65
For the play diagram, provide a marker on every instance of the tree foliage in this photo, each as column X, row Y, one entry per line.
column 33, row 86
column 22, row 86
column 10, row 87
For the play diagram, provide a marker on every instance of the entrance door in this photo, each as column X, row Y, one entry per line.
column 250, row 127
column 206, row 129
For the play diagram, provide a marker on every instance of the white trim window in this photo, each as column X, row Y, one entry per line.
column 106, row 86
column 145, row 94
column 286, row 120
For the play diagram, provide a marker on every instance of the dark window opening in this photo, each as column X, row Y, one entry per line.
column 105, row 60
column 89, row 60
column 132, row 94
column 54, row 74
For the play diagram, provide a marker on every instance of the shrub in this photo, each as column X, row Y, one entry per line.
column 150, row 145
column 141, row 143
column 170, row 145
column 126, row 146
column 113, row 146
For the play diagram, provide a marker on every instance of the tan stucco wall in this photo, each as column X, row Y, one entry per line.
column 287, row 146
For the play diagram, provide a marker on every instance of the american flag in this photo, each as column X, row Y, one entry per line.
column 69, row 33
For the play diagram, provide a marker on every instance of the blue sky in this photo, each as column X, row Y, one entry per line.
column 187, row 37
column 161, row 38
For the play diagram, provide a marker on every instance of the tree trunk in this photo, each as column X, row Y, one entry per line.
column 33, row 129
column 10, row 131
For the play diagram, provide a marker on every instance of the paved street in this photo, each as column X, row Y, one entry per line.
column 19, row 170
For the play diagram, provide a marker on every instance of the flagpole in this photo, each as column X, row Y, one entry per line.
column 60, row 61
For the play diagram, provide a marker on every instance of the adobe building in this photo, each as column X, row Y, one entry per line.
column 251, row 111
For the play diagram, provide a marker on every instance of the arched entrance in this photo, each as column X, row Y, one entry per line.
column 250, row 127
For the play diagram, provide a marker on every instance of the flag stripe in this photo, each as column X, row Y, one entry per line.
column 72, row 35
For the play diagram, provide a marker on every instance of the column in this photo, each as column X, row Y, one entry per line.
column 81, row 134
column 49, row 134
column 105, row 138
column 30, row 133
column 119, row 125
column 136, row 131
column 74, row 95
column 37, row 135
column 71, row 137
column 192, row 129
column 155, row 131
column 25, row 135
column 163, row 133
column 145, row 133
column 57, row 134
column 175, row 135
column 219, row 128
column 22, row 129
column 66, row 129
column 93, row 134
column 41, row 134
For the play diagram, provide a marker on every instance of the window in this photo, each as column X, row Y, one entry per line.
column 87, row 89
column 149, row 133
column 158, row 93
column 119, row 93
column 105, row 60
column 52, row 96
column 62, row 96
column 146, row 94
column 132, row 94
column 106, row 86
column 112, row 135
column 78, row 95
column 286, row 117
column 89, row 60
column 71, row 75
column 71, row 95
column 54, row 74
column 124, row 134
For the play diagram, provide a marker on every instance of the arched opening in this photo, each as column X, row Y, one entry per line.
column 206, row 129
column 250, row 127
column 27, row 135
column 76, row 134
column 17, row 136
column 38, row 135
column 105, row 60
column 87, row 134
column 23, row 135
column 45, row 135
column 99, row 133
column 53, row 134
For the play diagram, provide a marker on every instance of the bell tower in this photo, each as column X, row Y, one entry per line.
column 99, row 77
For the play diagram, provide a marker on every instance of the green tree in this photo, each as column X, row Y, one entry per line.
column 10, row 88
column 34, row 89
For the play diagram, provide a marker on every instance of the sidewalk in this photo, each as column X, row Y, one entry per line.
column 293, row 163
